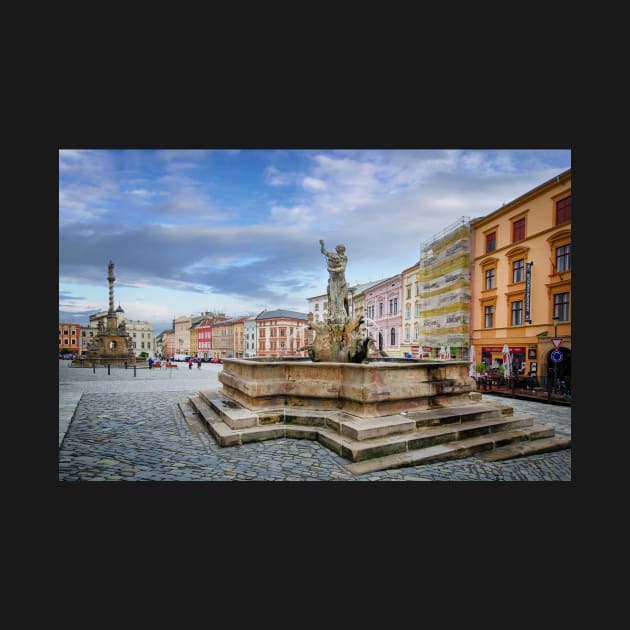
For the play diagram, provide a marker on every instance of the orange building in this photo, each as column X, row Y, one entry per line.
column 521, row 282
column 70, row 338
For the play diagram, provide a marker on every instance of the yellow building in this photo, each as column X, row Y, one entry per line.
column 411, row 322
column 521, row 282
column 444, row 292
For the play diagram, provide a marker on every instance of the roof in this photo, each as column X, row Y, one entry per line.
column 280, row 313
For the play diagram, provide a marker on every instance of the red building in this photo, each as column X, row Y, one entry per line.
column 70, row 338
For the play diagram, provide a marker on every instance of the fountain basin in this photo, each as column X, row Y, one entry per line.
column 376, row 388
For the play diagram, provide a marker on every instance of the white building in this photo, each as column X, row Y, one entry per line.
column 249, row 337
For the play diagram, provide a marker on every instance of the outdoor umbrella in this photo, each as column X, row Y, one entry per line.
column 507, row 361
column 472, row 370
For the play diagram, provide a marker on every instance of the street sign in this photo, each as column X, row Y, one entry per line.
column 556, row 341
column 556, row 356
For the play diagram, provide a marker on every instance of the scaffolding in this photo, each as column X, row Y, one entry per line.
column 444, row 295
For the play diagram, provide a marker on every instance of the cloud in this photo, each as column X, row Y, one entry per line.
column 216, row 237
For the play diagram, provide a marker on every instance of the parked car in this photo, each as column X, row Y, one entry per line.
column 216, row 360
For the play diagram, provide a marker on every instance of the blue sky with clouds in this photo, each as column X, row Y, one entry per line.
column 238, row 230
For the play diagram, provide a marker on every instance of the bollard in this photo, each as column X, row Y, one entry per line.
column 93, row 368
column 134, row 370
column 108, row 366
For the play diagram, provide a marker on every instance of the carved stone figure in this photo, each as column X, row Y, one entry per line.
column 337, row 287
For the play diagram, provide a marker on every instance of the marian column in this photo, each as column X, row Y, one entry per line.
column 112, row 321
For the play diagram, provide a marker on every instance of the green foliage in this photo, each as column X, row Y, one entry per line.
column 480, row 367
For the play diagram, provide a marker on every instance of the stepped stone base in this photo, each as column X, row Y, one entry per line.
column 408, row 438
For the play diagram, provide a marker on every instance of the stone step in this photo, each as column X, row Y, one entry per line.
column 459, row 414
column 425, row 437
column 522, row 449
column 234, row 415
column 480, row 446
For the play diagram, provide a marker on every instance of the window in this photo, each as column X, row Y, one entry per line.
column 317, row 307
column 418, row 310
column 563, row 258
column 490, row 279
column 518, row 230
column 407, row 334
column 416, row 333
column 380, row 309
column 392, row 337
column 407, row 311
column 488, row 317
column 409, row 293
column 561, row 306
column 517, row 313
column 518, row 268
column 491, row 242
column 393, row 306
column 563, row 210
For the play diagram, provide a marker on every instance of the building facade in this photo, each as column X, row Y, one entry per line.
column 70, row 338
column 383, row 315
column 521, row 282
column 444, row 292
column 410, row 342
column 249, row 334
column 281, row 333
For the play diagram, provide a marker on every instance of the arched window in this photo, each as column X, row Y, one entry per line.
column 392, row 336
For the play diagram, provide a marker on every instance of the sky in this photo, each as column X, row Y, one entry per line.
column 237, row 231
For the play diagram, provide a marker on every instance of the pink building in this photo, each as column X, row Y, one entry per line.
column 383, row 314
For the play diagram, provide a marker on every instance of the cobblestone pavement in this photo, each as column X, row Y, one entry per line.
column 129, row 428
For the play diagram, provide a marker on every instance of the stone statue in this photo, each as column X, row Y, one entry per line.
column 338, row 310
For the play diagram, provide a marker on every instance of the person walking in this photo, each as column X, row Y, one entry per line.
column 190, row 364
column 150, row 362
column 198, row 363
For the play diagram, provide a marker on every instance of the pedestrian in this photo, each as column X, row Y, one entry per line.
column 199, row 363
column 150, row 363
column 190, row 364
